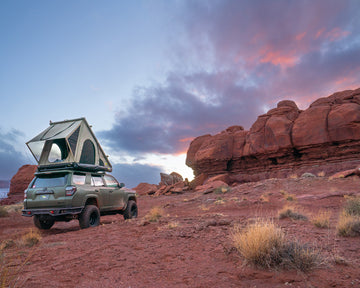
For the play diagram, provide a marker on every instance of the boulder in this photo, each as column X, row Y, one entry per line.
column 170, row 179
column 146, row 189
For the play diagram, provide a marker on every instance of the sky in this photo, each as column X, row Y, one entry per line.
column 150, row 76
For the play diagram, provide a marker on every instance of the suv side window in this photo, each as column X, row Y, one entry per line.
column 96, row 181
column 79, row 179
column 110, row 181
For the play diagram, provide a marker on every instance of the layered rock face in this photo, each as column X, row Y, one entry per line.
column 19, row 182
column 285, row 141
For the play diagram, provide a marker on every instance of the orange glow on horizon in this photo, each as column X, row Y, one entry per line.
column 187, row 139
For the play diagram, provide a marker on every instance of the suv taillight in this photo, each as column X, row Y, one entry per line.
column 70, row 190
column 25, row 194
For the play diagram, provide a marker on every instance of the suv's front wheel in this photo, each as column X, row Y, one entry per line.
column 131, row 210
column 89, row 217
column 43, row 222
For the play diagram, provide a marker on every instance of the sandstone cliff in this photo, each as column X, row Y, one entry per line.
column 19, row 182
column 325, row 138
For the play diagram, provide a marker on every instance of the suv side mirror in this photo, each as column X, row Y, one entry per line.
column 121, row 185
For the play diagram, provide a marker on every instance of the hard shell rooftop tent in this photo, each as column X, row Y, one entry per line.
column 69, row 144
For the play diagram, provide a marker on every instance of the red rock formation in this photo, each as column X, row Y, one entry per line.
column 146, row 189
column 323, row 138
column 19, row 182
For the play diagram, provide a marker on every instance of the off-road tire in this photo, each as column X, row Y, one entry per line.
column 131, row 210
column 43, row 223
column 89, row 217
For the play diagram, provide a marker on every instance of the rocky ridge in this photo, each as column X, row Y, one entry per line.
column 325, row 138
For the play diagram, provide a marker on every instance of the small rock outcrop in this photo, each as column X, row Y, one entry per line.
column 172, row 183
column 19, row 182
column 285, row 141
column 170, row 179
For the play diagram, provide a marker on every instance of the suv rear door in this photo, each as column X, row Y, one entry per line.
column 47, row 191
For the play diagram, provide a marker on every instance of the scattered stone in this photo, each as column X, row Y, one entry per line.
column 308, row 175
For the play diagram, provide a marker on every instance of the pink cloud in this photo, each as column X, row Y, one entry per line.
column 336, row 34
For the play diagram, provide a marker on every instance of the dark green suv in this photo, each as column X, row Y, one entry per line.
column 64, row 195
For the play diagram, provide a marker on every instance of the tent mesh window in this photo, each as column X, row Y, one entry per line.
column 58, row 151
column 88, row 153
column 73, row 140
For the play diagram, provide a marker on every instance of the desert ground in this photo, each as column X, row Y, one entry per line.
column 190, row 245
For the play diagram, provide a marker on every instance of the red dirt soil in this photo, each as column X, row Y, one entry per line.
column 190, row 246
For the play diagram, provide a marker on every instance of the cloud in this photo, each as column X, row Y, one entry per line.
column 133, row 174
column 164, row 118
column 233, row 59
column 10, row 159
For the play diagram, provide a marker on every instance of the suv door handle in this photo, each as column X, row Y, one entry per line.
column 96, row 190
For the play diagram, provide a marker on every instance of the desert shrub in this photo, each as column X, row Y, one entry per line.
column 203, row 207
column 3, row 212
column 219, row 201
column 258, row 243
column 6, row 244
column 264, row 244
column 290, row 212
column 154, row 214
column 348, row 225
column 15, row 208
column 322, row 219
column 31, row 238
column 265, row 198
column 321, row 174
column 222, row 190
column 287, row 196
column 173, row 225
column 295, row 255
column 352, row 206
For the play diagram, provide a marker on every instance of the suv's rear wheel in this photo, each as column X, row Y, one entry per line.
column 90, row 217
column 131, row 210
column 43, row 222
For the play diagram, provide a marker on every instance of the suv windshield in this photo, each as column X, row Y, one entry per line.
column 53, row 180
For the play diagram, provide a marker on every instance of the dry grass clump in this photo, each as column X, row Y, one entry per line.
column 30, row 239
column 263, row 244
column 287, row 196
column 6, row 244
column 219, row 201
column 292, row 213
column 154, row 214
column 3, row 212
column 349, row 219
column 352, row 206
column 173, row 225
column 265, row 198
column 322, row 219
column 222, row 190
column 348, row 225
column 321, row 174
column 203, row 207
column 14, row 208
